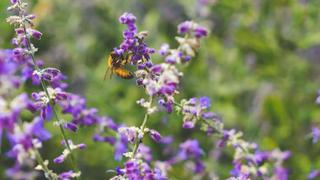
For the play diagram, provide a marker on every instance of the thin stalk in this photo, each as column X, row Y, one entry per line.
column 142, row 127
column 177, row 104
column 43, row 165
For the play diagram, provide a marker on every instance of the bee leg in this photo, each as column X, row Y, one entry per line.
column 111, row 73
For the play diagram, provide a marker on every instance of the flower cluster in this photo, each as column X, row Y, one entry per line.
column 24, row 138
column 259, row 164
column 51, row 75
column 188, row 44
column 20, row 65
column 24, row 142
column 195, row 109
column 190, row 150
column 133, row 42
column 249, row 161
column 160, row 81
column 24, row 30
column 138, row 169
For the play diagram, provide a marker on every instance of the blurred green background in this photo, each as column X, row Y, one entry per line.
column 260, row 66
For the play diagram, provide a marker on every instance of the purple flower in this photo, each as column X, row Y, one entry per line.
column 48, row 74
column 19, row 52
column 69, row 175
column 167, row 140
column 17, row 171
column 261, row 156
column 127, row 18
column 42, row 101
column 10, row 111
column 59, row 159
column 38, row 129
column 131, row 133
column 200, row 32
column 73, row 127
column 315, row 134
column 210, row 115
column 108, row 122
column 66, row 151
column 189, row 27
column 76, row 107
column 194, row 109
column 184, row 27
column 164, row 49
column 199, row 167
column 144, row 152
column 133, row 42
column 34, row 33
column 120, row 147
column 225, row 137
column 155, row 135
column 281, row 173
column 138, row 169
column 164, row 80
column 132, row 170
column 188, row 124
column 26, row 137
column 236, row 171
column 205, row 102
column 190, row 149
column 13, row 1
column 108, row 139
column 314, row 174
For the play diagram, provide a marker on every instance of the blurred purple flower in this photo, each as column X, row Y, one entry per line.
column 189, row 27
column 144, row 152
column 59, row 159
column 314, row 174
column 184, row 27
column 281, row 173
column 190, row 149
column 130, row 133
column 108, row 139
column 69, row 175
column 120, row 147
column 315, row 134
column 318, row 97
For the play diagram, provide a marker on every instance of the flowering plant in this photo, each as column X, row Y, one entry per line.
column 161, row 84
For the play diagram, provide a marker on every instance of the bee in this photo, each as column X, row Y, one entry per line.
column 116, row 65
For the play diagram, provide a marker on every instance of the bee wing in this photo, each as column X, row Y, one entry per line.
column 109, row 66
column 105, row 74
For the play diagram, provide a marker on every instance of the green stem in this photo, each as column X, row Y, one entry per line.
column 45, row 168
column 45, row 89
column 177, row 104
column 142, row 127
